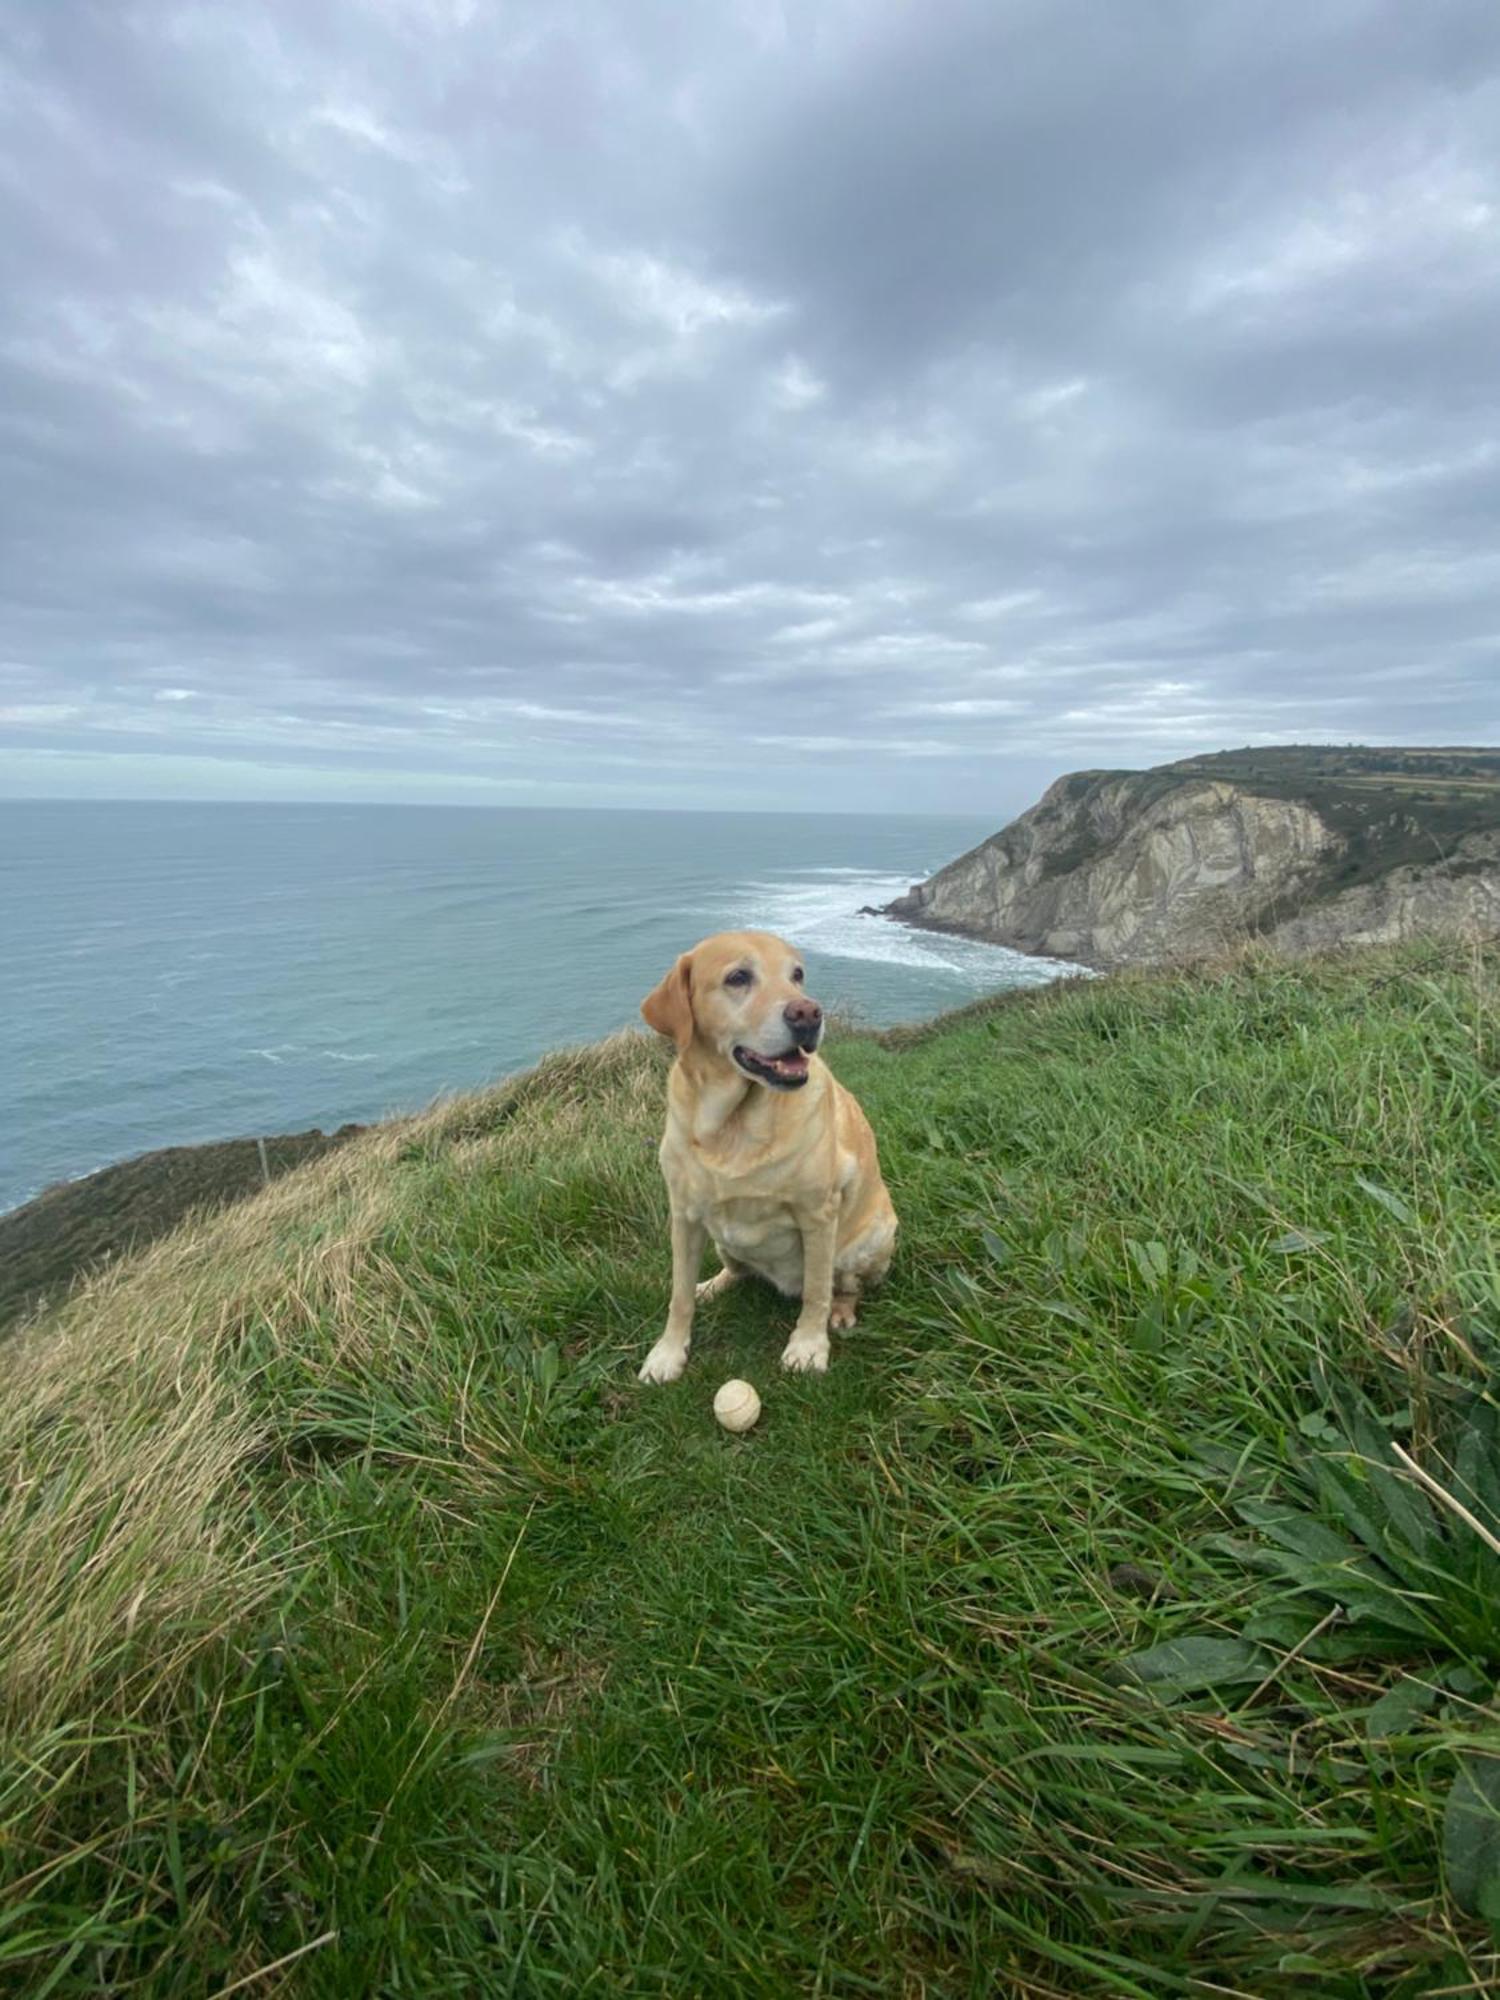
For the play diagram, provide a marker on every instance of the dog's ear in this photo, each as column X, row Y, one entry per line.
column 669, row 1007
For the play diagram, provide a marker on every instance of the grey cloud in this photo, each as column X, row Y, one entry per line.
column 595, row 401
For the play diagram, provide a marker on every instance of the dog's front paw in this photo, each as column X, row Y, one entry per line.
column 665, row 1362
column 806, row 1354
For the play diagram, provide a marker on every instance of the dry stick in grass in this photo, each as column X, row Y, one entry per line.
column 265, row 1971
column 1287, row 1658
column 1445, row 1498
column 1483, row 1984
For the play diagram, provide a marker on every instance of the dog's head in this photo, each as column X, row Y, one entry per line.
column 738, row 997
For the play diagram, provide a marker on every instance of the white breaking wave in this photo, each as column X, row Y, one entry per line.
column 285, row 1051
column 820, row 910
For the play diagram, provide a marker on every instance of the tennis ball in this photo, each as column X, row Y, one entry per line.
column 736, row 1406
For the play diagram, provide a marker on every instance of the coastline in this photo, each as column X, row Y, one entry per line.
column 261, row 972
column 943, row 928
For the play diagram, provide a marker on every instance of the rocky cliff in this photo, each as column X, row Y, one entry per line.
column 1302, row 848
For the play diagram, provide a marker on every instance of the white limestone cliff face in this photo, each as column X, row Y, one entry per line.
column 1128, row 868
column 1460, row 896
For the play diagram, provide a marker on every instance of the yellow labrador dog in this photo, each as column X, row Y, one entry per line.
column 765, row 1151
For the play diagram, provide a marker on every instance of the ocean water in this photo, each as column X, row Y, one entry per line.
column 179, row 972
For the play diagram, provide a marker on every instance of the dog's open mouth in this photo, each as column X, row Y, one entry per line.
column 784, row 1072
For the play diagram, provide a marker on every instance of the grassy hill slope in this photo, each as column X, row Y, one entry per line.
column 79, row 1225
column 364, row 1627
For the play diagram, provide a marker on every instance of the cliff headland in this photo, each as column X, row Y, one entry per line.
column 1303, row 848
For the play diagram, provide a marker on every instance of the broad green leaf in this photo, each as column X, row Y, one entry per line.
column 1477, row 1470
column 1406, row 1507
column 1060, row 1309
column 1391, row 1202
column 1146, row 1333
column 1150, row 1260
column 1300, row 1533
column 1335, row 1483
column 1179, row 1664
column 1399, row 1707
column 997, row 1246
column 1316, row 1425
column 1463, row 1680
column 1244, row 1886
column 1471, row 1837
column 1281, row 1629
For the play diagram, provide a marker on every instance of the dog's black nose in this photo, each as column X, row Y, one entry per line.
column 804, row 1017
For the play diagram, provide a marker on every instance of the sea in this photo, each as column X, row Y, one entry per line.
column 175, row 972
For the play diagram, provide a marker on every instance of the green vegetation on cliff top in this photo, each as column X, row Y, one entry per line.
column 1121, row 1616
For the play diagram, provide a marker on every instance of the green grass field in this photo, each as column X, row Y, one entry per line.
column 1121, row 1616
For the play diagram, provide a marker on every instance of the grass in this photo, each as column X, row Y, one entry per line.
column 365, row 1628
column 81, row 1225
column 1474, row 767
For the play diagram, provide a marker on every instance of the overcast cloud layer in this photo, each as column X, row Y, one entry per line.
column 835, row 404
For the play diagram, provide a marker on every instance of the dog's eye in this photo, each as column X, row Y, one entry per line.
column 798, row 975
column 741, row 976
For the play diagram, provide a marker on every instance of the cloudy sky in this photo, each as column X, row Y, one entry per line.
column 837, row 404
